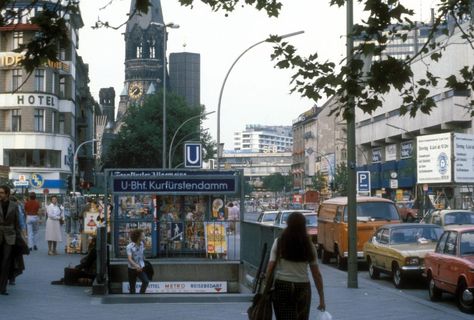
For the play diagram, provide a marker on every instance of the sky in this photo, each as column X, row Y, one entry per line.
column 256, row 92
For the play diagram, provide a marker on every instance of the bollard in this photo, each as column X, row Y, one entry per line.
column 101, row 247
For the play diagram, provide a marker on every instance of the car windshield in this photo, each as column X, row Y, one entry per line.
column 311, row 220
column 375, row 211
column 467, row 243
column 422, row 234
column 459, row 217
column 269, row 217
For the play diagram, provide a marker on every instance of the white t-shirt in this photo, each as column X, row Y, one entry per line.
column 137, row 253
column 289, row 270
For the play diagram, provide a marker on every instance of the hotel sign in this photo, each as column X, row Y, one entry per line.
column 29, row 99
column 13, row 59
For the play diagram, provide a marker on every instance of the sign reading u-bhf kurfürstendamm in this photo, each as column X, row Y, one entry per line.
column 434, row 158
column 463, row 158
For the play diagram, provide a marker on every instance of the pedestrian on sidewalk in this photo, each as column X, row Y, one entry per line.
column 136, row 261
column 291, row 254
column 9, row 227
column 22, row 223
column 32, row 207
column 53, row 225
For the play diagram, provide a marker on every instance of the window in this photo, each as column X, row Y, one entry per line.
column 371, row 211
column 17, row 81
column 39, row 120
column 39, row 80
column 384, row 237
column 152, row 45
column 139, row 52
column 16, row 120
column 32, row 158
column 53, row 121
column 450, row 247
column 17, row 39
column 442, row 243
column 61, row 123
column 62, row 87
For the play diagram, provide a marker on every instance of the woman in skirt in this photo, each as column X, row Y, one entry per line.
column 53, row 225
column 291, row 254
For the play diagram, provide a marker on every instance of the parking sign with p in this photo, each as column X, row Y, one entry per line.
column 363, row 182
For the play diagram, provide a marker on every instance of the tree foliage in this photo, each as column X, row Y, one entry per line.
column 319, row 181
column 388, row 20
column 139, row 143
column 275, row 182
column 340, row 179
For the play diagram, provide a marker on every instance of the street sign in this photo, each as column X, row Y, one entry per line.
column 21, row 183
column 363, row 181
column 192, row 155
column 393, row 183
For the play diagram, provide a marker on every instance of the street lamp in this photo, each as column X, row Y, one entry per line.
column 223, row 85
column 74, row 165
column 164, row 26
column 176, row 132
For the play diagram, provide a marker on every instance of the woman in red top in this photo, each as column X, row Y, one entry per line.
column 32, row 207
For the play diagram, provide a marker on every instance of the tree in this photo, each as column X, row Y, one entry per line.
column 388, row 20
column 319, row 181
column 340, row 179
column 139, row 142
column 275, row 182
column 248, row 188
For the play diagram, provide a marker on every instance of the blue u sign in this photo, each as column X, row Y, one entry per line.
column 193, row 155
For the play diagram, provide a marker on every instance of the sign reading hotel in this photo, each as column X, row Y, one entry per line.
column 29, row 99
column 434, row 158
column 180, row 287
column 464, row 158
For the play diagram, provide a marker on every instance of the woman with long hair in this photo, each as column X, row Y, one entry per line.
column 291, row 255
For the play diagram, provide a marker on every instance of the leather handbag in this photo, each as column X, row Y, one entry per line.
column 261, row 308
column 148, row 269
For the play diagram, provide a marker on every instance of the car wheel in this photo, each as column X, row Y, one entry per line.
column 465, row 298
column 341, row 262
column 434, row 292
column 325, row 256
column 374, row 273
column 397, row 276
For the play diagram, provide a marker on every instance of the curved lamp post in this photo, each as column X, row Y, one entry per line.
column 74, row 165
column 223, row 85
column 164, row 26
column 176, row 132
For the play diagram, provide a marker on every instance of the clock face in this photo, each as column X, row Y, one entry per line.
column 135, row 90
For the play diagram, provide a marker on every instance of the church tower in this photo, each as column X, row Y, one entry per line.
column 144, row 46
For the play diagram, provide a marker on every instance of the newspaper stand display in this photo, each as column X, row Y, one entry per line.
column 183, row 212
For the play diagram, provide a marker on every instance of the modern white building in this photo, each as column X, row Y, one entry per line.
column 43, row 116
column 260, row 138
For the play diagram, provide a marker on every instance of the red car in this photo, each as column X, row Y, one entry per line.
column 450, row 268
column 406, row 211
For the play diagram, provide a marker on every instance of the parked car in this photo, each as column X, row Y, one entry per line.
column 399, row 249
column 267, row 217
column 449, row 217
column 450, row 268
column 406, row 211
column 311, row 222
column 372, row 212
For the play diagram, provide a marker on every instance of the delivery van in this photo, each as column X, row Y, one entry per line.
column 333, row 228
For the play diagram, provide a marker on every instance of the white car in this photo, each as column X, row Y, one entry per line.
column 267, row 217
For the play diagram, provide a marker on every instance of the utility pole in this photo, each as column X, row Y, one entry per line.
column 351, row 161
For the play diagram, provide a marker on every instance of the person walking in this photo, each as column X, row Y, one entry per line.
column 32, row 207
column 136, row 261
column 9, row 227
column 53, row 225
column 22, row 224
column 290, row 255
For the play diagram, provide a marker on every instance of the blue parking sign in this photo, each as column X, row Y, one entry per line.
column 192, row 155
column 363, row 181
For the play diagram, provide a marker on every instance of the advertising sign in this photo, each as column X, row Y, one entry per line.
column 376, row 155
column 391, row 152
column 91, row 219
column 180, row 287
column 216, row 237
column 434, row 158
column 464, row 158
column 406, row 150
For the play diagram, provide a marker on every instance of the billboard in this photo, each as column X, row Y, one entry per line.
column 464, row 157
column 434, row 158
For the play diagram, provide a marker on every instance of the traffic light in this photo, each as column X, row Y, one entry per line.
column 69, row 183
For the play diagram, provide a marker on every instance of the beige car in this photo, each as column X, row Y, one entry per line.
column 449, row 217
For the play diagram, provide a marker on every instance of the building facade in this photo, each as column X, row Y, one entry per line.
column 43, row 116
column 260, row 138
column 185, row 73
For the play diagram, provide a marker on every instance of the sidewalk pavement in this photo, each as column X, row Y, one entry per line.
column 33, row 297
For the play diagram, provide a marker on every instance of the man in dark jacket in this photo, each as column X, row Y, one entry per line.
column 9, row 227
